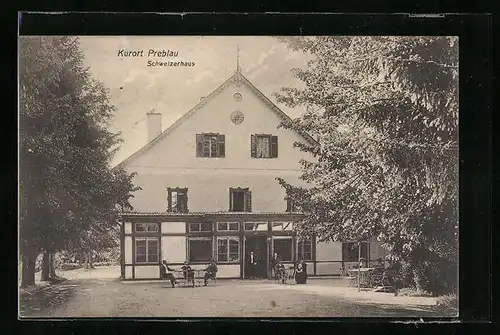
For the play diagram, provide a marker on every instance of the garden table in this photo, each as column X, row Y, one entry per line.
column 364, row 276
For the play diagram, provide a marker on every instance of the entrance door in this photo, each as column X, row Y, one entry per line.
column 257, row 244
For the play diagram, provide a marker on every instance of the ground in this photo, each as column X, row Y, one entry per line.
column 98, row 293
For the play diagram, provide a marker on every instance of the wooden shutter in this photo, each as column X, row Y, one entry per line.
column 288, row 205
column 199, row 145
column 253, row 145
column 231, row 199
column 221, row 139
column 274, row 146
column 182, row 200
column 169, row 200
column 186, row 210
column 248, row 201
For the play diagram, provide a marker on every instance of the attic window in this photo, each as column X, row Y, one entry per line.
column 210, row 145
column 264, row 146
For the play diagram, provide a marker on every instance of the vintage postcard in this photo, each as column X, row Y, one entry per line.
column 238, row 176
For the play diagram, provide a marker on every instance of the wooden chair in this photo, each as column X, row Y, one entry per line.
column 212, row 276
column 281, row 275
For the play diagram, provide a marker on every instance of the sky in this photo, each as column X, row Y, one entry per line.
column 135, row 89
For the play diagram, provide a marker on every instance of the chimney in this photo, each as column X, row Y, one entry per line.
column 154, row 125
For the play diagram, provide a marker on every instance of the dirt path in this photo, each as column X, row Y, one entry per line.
column 112, row 298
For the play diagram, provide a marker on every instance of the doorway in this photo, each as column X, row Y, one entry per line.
column 257, row 244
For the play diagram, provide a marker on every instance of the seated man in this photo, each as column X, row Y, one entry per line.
column 211, row 271
column 360, row 265
column 166, row 273
column 188, row 273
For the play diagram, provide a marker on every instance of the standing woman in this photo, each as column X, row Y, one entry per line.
column 251, row 265
column 274, row 261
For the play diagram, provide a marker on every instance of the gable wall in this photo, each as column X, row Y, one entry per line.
column 172, row 162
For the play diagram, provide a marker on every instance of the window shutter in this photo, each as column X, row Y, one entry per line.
column 253, row 145
column 288, row 206
column 199, row 145
column 248, row 201
column 231, row 199
column 221, row 139
column 274, row 146
column 169, row 200
column 186, row 210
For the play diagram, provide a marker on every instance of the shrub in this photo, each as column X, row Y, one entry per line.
column 412, row 292
column 105, row 263
column 70, row 266
column 438, row 277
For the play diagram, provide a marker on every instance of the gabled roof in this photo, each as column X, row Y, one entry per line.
column 237, row 77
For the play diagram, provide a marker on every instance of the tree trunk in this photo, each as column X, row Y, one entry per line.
column 52, row 266
column 91, row 260
column 28, row 270
column 46, row 266
column 88, row 260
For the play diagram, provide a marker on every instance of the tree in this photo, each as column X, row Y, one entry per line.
column 385, row 112
column 66, row 183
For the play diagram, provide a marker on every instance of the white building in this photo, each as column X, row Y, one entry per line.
column 209, row 190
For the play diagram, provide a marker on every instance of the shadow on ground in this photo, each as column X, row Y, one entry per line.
column 49, row 297
column 390, row 310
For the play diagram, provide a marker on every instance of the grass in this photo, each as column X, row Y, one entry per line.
column 411, row 292
column 448, row 302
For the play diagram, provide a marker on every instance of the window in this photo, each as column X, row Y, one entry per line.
column 282, row 226
column 146, row 227
column 264, row 146
column 146, row 250
column 200, row 249
column 291, row 207
column 177, row 200
column 227, row 226
column 284, row 248
column 260, row 226
column 204, row 226
column 350, row 251
column 228, row 249
column 240, row 200
column 210, row 145
column 305, row 250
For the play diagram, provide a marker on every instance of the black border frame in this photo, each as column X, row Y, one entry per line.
column 475, row 38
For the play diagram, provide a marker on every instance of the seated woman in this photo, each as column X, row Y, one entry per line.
column 280, row 272
column 211, row 271
column 301, row 272
column 188, row 273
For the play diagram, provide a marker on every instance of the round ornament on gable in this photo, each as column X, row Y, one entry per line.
column 237, row 117
column 237, row 96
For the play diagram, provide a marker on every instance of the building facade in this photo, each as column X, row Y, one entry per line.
column 209, row 190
